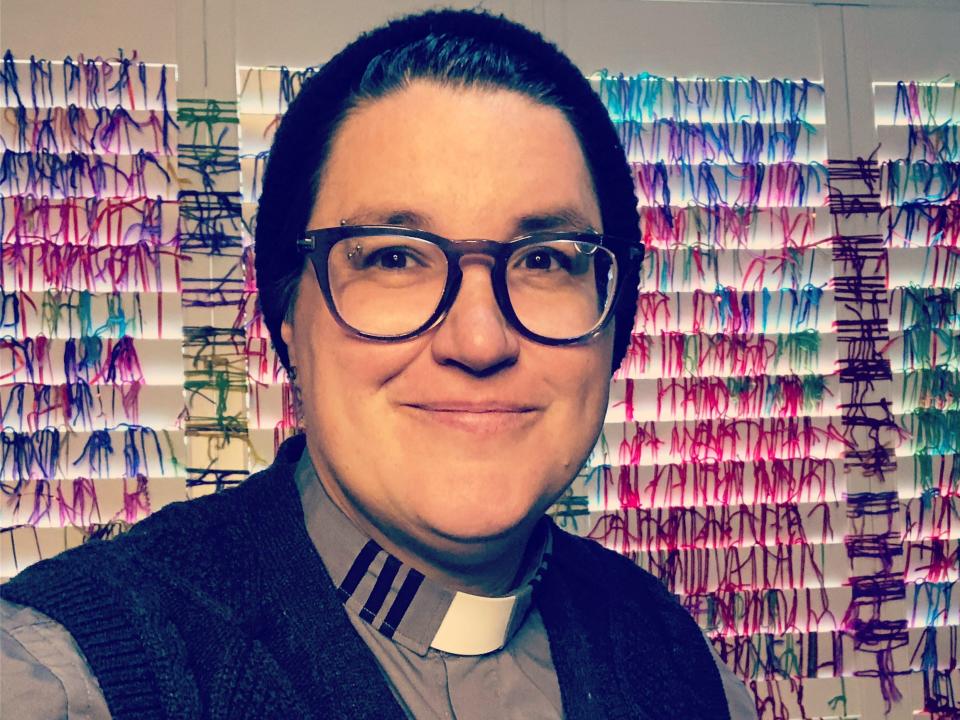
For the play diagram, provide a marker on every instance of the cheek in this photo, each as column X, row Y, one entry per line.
column 593, row 367
column 581, row 380
column 321, row 353
column 341, row 376
column 597, row 390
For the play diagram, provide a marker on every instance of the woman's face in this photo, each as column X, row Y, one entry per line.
column 469, row 432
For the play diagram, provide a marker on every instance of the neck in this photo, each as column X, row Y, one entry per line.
column 490, row 572
column 487, row 567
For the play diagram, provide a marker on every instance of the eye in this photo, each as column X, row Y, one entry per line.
column 543, row 258
column 392, row 258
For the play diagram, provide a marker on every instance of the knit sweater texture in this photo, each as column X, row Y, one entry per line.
column 220, row 607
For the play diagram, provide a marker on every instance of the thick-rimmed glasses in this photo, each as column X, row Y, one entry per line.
column 383, row 282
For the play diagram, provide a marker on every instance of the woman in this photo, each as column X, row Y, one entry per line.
column 447, row 258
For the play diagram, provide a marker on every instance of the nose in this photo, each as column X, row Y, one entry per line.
column 474, row 336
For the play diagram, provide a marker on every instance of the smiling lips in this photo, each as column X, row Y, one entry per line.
column 479, row 418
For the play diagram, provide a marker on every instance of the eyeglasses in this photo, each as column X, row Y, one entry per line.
column 384, row 282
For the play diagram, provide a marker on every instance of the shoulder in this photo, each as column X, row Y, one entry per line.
column 42, row 671
column 175, row 534
column 183, row 542
column 222, row 512
column 598, row 577
column 606, row 571
column 603, row 608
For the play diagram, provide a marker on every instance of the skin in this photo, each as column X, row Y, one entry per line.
column 448, row 448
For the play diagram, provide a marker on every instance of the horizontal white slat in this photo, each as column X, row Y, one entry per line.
column 920, row 224
column 114, row 131
column 259, row 89
column 75, row 175
column 673, row 354
column 748, row 613
column 918, row 142
column 732, row 311
column 60, row 455
column 689, row 485
column 89, row 221
column 62, row 503
column 923, row 348
column 855, row 698
column 754, row 228
column 936, row 267
column 657, row 442
column 646, row 97
column 723, row 143
column 714, row 484
column 824, row 655
column 926, row 102
column 257, row 131
column 694, row 572
column 39, row 265
column 92, row 82
column 923, row 306
column 21, row 547
column 702, row 398
column 684, row 269
column 653, row 442
column 726, row 526
column 768, row 186
column 109, row 315
column 904, row 182
column 91, row 407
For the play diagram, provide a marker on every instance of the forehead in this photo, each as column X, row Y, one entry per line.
column 457, row 156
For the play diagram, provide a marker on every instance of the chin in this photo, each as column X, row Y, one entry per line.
column 489, row 521
column 477, row 503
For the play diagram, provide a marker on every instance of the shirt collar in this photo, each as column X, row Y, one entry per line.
column 401, row 602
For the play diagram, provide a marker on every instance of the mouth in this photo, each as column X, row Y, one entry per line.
column 475, row 418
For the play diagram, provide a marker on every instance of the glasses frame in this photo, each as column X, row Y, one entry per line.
column 316, row 245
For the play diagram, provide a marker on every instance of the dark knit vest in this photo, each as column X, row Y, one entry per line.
column 220, row 607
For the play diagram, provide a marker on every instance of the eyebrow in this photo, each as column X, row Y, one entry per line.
column 403, row 218
column 564, row 218
column 567, row 218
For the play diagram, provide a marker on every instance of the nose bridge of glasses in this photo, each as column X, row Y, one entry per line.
column 475, row 251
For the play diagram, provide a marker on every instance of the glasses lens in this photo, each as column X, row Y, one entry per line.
column 386, row 284
column 561, row 289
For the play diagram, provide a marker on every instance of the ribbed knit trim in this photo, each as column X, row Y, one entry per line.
column 72, row 592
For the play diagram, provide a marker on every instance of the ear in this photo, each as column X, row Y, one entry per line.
column 286, row 334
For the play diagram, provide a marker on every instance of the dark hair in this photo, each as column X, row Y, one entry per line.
column 451, row 47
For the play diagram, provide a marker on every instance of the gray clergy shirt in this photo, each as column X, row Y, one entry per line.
column 449, row 654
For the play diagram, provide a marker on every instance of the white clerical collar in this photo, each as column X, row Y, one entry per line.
column 398, row 600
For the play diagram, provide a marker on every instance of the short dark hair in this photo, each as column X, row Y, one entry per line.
column 451, row 47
